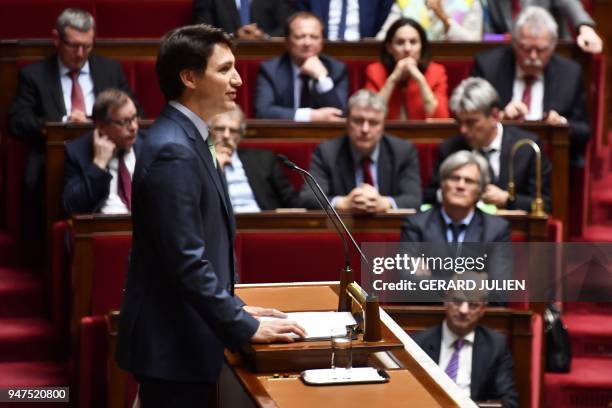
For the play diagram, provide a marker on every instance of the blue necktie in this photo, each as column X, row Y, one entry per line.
column 342, row 25
column 245, row 12
column 453, row 365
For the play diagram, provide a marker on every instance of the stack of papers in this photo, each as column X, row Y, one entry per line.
column 319, row 325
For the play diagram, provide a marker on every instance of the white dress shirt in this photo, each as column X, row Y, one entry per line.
column 351, row 31
column 536, row 106
column 494, row 157
column 464, row 371
column 239, row 190
column 113, row 203
column 323, row 85
column 87, row 86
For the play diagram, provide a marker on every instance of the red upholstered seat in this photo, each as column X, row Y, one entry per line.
column 133, row 18
column 110, row 255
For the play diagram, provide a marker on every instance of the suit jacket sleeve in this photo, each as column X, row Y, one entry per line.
column 266, row 105
column 338, row 95
column 411, row 231
column 171, row 188
column 575, row 12
column 580, row 129
column 409, row 181
column 504, row 379
column 25, row 116
column 203, row 12
column 86, row 186
column 321, row 171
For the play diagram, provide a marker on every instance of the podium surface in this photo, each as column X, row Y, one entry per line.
column 414, row 378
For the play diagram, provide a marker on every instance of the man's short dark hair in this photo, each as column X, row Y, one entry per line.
column 301, row 14
column 106, row 101
column 187, row 47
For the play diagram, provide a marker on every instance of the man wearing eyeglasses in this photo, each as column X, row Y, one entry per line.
column 475, row 357
column 533, row 82
column 99, row 165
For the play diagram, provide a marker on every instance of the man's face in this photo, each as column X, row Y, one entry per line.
column 217, row 87
column 462, row 316
column 461, row 188
column 305, row 39
column 73, row 47
column 533, row 50
column 226, row 130
column 365, row 128
column 478, row 129
column 122, row 126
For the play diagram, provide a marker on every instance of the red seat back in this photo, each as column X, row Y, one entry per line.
column 110, row 261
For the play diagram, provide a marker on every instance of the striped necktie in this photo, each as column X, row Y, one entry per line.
column 453, row 365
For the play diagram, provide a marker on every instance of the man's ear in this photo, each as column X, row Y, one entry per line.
column 189, row 78
column 496, row 113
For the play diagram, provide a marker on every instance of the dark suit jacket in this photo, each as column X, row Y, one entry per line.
column 274, row 91
column 39, row 94
column 270, row 15
column 86, row 186
column 492, row 377
column 398, row 171
column 372, row 14
column 429, row 227
column 563, row 89
column 524, row 169
column 500, row 14
column 271, row 188
column 178, row 309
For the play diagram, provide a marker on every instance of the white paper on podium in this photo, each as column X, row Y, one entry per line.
column 318, row 325
column 355, row 375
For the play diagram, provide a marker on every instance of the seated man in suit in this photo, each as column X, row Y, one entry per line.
column 366, row 171
column 464, row 176
column 302, row 84
column 246, row 19
column 99, row 165
column 349, row 20
column 475, row 357
column 254, row 179
column 533, row 82
column 475, row 104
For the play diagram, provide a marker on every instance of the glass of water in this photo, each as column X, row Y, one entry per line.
column 342, row 352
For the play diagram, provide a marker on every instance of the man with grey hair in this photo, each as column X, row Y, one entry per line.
column 533, row 82
column 366, row 171
column 255, row 182
column 475, row 104
column 61, row 87
column 464, row 176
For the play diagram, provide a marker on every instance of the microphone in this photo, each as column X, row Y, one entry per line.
column 310, row 180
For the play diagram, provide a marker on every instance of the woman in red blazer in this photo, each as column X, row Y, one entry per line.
column 413, row 87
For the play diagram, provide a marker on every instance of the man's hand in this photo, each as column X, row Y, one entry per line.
column 327, row 114
column 495, row 195
column 314, row 68
column 78, row 116
column 224, row 150
column 103, row 149
column 368, row 200
column 588, row 40
column 553, row 118
column 516, row 110
column 257, row 311
column 277, row 330
column 250, row 32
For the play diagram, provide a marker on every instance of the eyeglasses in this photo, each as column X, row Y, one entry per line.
column 76, row 46
column 222, row 129
column 529, row 49
column 124, row 122
column 468, row 181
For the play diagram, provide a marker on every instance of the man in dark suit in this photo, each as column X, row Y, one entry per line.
column 302, row 84
column 366, row 170
column 345, row 21
column 179, row 310
column 475, row 357
column 476, row 107
column 254, row 179
column 258, row 20
column 99, row 165
column 533, row 82
column 464, row 176
column 501, row 15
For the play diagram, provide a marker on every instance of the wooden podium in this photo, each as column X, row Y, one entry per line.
column 268, row 375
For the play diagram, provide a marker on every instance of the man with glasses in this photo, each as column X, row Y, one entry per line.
column 475, row 357
column 99, row 165
column 533, row 82
column 254, row 179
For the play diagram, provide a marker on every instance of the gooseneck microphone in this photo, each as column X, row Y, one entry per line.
column 318, row 191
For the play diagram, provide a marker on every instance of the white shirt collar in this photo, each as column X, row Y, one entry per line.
column 497, row 140
column 449, row 338
column 195, row 119
column 447, row 220
column 64, row 70
column 520, row 74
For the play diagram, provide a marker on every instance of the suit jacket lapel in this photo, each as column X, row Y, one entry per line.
column 473, row 232
column 253, row 173
column 385, row 169
column 480, row 350
column 346, row 166
column 550, row 88
column 287, row 88
column 55, row 84
column 506, row 74
column 432, row 347
column 504, row 157
column 437, row 227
